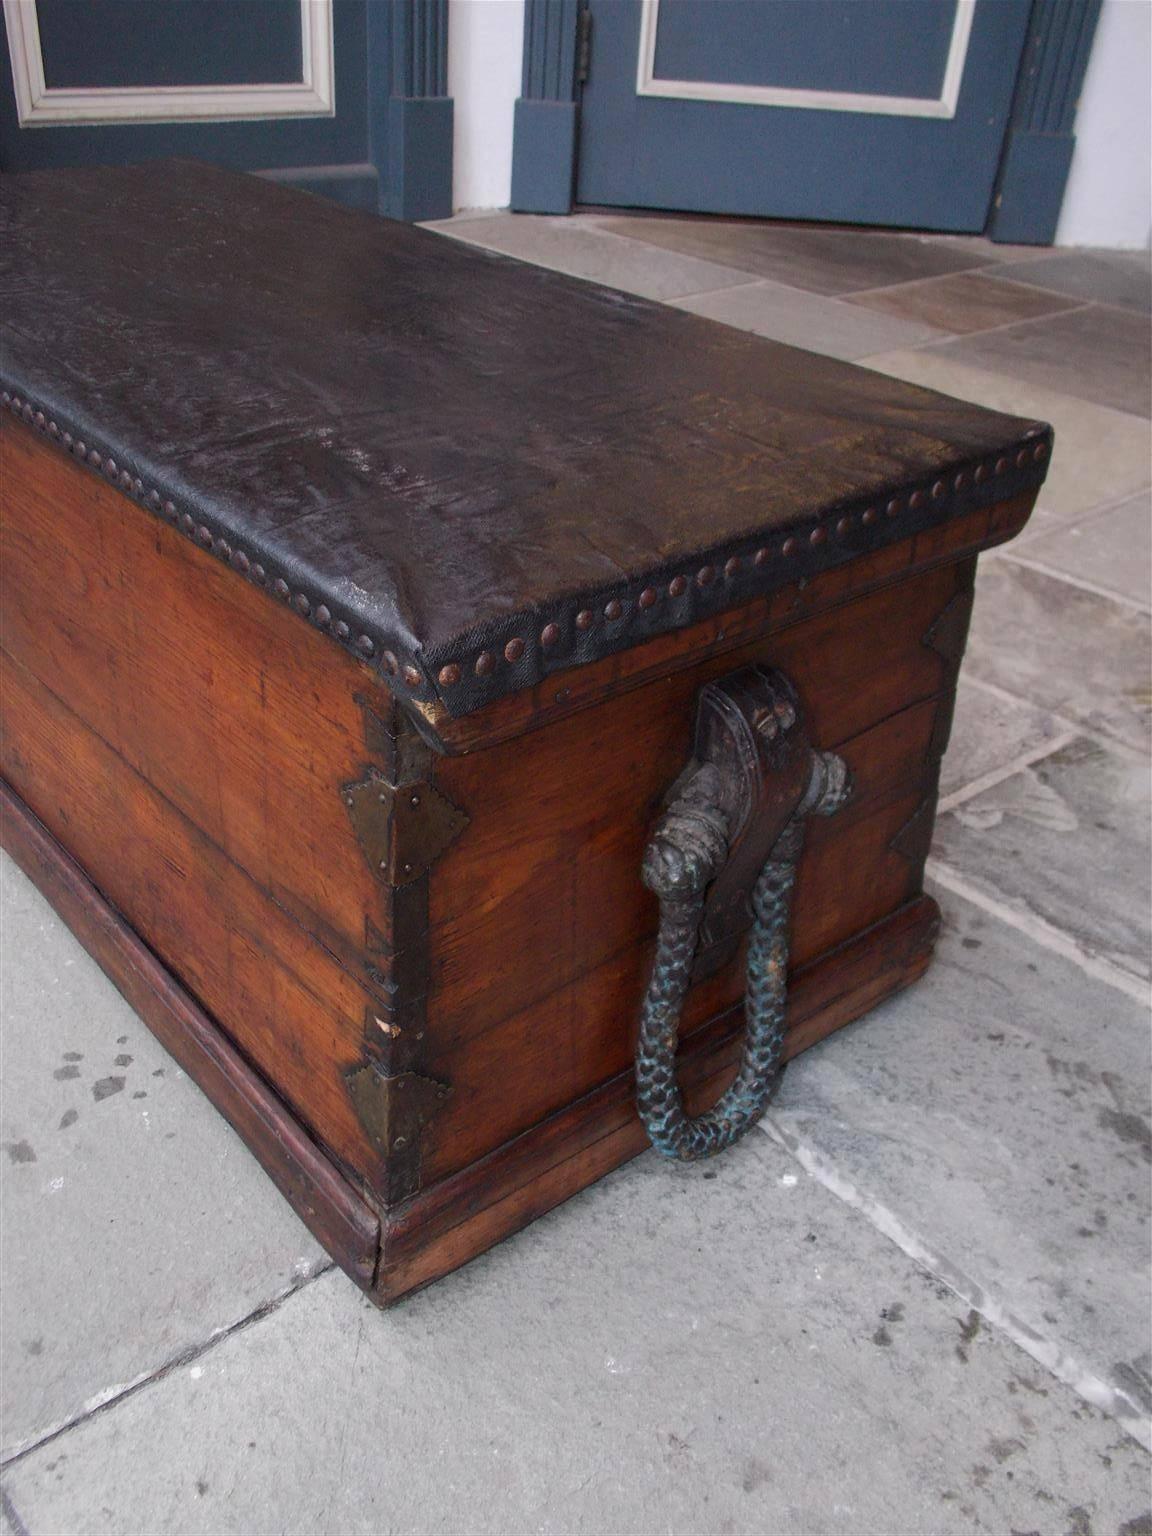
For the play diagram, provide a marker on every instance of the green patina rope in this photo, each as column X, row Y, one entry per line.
column 683, row 857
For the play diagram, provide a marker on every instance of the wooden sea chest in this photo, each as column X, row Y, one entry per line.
column 377, row 611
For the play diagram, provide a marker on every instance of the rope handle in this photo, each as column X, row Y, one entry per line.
column 686, row 852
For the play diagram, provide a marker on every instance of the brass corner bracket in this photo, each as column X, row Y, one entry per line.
column 394, row 1112
column 402, row 829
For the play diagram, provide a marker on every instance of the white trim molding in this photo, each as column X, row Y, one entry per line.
column 944, row 105
column 39, row 105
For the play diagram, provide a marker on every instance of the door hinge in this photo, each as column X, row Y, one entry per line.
column 583, row 44
column 402, row 829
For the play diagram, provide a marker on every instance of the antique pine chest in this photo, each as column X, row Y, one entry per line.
column 422, row 673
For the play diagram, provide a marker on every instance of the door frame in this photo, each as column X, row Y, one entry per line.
column 1034, row 159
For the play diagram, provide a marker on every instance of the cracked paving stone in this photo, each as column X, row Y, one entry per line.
column 136, row 1230
column 1075, row 822
column 660, row 1354
column 1000, row 1109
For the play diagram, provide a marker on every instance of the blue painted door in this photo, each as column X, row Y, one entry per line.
column 299, row 88
column 859, row 111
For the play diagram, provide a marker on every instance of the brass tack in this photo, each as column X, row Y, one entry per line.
column 917, row 500
column 938, row 490
column 6, row 398
column 1022, row 458
column 223, row 549
column 514, row 649
column 893, row 507
column 339, row 629
column 29, row 414
column 412, row 677
column 79, row 449
column 485, row 664
column 677, row 586
column 125, row 480
column 67, row 441
column 761, row 557
column 53, row 429
column 258, row 574
column 584, row 619
column 705, row 575
column 1040, row 451
column 391, row 665
column 549, row 634
column 204, row 535
column 169, row 510
column 366, row 646
column 981, row 474
column 41, row 420
column 240, row 561
column 613, row 608
column 301, row 604
column 137, row 487
column 961, row 481
column 648, row 597
column 844, row 526
column 869, row 517
column 94, row 458
column 1001, row 466
column 817, row 536
column 16, row 402
column 188, row 523
column 280, row 587
column 111, row 469
column 322, row 615
column 449, row 675
column 731, row 566
column 788, row 547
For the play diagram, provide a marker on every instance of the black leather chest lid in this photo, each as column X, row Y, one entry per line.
column 468, row 470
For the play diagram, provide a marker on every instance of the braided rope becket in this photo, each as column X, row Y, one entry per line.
column 687, row 850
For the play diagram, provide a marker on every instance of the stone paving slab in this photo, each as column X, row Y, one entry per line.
column 1112, row 549
column 1098, row 352
column 998, row 1111
column 1109, row 277
column 1101, row 455
column 583, row 249
column 1067, row 650
column 990, row 731
column 1076, row 821
column 719, row 1349
column 964, row 301
column 808, row 320
column 819, row 258
column 134, row 1222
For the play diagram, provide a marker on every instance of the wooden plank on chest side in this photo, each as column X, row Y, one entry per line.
column 602, row 908
column 531, row 1063
column 448, row 1223
column 559, row 820
column 245, row 717
column 285, row 1001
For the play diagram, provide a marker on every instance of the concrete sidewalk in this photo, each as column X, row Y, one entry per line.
column 917, row 1301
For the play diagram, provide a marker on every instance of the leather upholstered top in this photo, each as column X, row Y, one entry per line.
column 469, row 470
